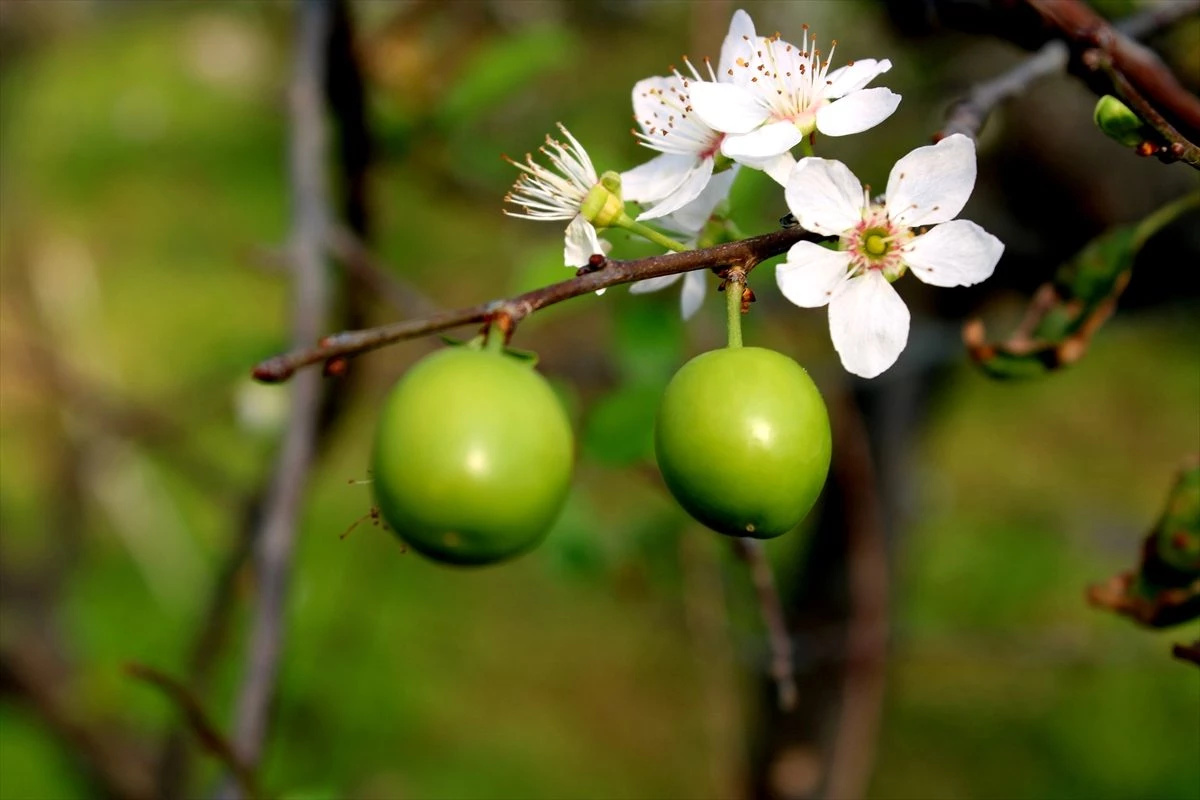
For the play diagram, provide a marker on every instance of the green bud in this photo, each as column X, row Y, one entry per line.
column 1118, row 122
column 603, row 206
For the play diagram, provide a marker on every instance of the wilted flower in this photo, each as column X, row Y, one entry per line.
column 571, row 191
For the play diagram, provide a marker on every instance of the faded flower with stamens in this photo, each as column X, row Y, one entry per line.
column 777, row 93
column 571, row 191
column 879, row 242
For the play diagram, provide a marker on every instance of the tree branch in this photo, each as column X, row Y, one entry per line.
column 1072, row 28
column 276, row 534
column 197, row 720
column 745, row 254
column 783, row 666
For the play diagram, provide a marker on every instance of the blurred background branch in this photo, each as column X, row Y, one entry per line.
column 140, row 156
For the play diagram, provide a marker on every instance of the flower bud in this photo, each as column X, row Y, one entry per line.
column 1118, row 122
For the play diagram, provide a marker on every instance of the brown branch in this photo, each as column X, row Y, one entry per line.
column 197, row 720
column 745, row 254
column 276, row 534
column 1178, row 148
column 1073, row 26
column 783, row 668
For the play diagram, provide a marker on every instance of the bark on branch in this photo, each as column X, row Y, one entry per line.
column 745, row 254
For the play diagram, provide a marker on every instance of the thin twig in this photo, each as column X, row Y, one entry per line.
column 968, row 115
column 746, row 254
column 276, row 536
column 783, row 670
column 197, row 720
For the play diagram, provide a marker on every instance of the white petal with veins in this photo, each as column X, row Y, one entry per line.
column 825, row 196
column 728, row 108
column 857, row 112
column 931, row 184
column 812, row 274
column 868, row 323
column 854, row 76
column 693, row 184
column 655, row 179
column 581, row 243
column 956, row 253
column 766, row 142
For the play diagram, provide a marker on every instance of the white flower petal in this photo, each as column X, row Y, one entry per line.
column 693, row 184
column 647, row 98
column 955, row 253
column 857, row 111
column 739, row 43
column 693, row 292
column 825, row 196
column 581, row 243
column 868, row 323
column 854, row 76
column 657, row 178
column 691, row 219
column 725, row 107
column 766, row 142
column 779, row 167
column 931, row 184
column 812, row 274
column 653, row 284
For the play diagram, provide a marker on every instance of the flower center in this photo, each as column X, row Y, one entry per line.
column 876, row 243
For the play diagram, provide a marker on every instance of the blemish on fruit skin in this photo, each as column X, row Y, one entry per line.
column 750, row 527
column 451, row 539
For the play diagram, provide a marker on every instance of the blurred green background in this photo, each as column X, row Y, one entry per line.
column 143, row 189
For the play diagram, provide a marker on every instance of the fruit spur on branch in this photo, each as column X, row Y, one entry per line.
column 473, row 454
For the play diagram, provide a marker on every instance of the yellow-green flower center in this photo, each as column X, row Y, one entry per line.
column 875, row 244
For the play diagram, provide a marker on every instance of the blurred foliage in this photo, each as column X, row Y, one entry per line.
column 1065, row 314
column 142, row 164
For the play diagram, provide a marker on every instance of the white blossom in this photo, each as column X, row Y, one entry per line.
column 559, row 194
column 689, row 148
column 772, row 94
column 868, row 321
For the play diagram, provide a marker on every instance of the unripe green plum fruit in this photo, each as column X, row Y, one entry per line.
column 743, row 441
column 473, row 457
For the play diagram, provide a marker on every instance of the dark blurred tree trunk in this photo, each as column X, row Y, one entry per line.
column 837, row 609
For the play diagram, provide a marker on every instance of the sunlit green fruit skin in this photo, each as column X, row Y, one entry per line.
column 743, row 441
column 473, row 457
